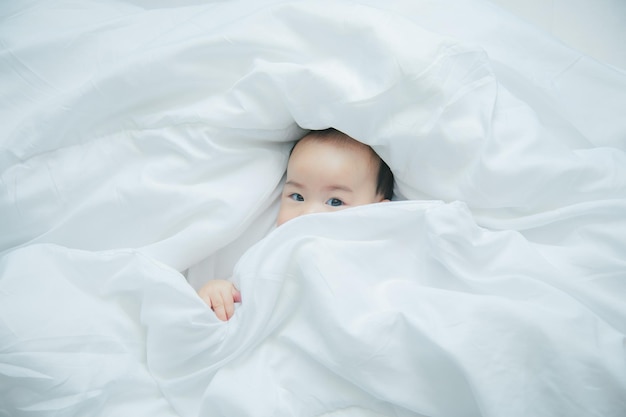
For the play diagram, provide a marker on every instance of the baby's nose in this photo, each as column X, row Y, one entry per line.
column 313, row 208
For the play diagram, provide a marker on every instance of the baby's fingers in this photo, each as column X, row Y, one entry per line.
column 220, row 308
column 236, row 295
column 223, row 303
column 221, row 296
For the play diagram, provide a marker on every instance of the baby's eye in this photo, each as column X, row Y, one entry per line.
column 335, row 202
column 296, row 197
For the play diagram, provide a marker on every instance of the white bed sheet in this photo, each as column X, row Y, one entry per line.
column 142, row 152
column 594, row 27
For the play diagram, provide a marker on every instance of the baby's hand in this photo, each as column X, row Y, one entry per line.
column 221, row 295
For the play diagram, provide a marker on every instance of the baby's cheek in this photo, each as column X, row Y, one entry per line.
column 283, row 216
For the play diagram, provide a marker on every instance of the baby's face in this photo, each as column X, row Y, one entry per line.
column 324, row 176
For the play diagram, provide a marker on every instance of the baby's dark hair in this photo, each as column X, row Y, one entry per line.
column 384, row 178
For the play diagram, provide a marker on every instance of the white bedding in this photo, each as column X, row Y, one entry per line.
column 142, row 151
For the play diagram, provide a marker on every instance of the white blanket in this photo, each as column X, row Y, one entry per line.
column 142, row 151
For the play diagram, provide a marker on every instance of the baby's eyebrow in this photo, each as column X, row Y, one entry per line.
column 339, row 188
column 293, row 183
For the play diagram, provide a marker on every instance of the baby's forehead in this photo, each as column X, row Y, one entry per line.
column 339, row 141
column 314, row 159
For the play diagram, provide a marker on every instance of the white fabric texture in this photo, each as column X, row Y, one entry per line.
column 142, row 151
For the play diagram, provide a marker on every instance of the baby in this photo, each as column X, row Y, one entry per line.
column 327, row 171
